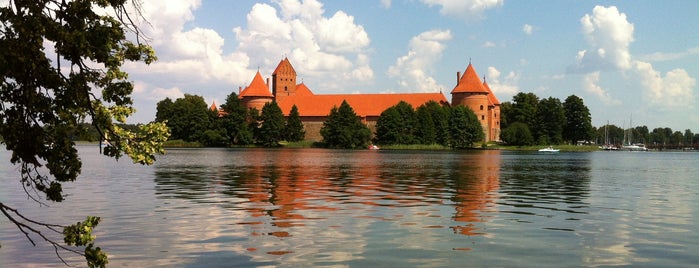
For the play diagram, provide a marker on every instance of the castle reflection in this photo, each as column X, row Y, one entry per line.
column 289, row 188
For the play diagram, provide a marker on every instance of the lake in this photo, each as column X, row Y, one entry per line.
column 363, row 208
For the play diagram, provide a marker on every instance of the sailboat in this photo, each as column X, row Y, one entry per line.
column 628, row 139
column 607, row 146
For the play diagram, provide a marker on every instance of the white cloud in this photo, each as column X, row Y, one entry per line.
column 505, row 87
column 489, row 44
column 672, row 92
column 591, row 85
column 527, row 29
column 386, row 3
column 659, row 56
column 413, row 70
column 609, row 34
column 464, row 7
column 318, row 46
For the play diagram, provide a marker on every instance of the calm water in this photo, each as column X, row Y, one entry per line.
column 315, row 207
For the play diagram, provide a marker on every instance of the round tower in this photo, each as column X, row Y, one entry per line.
column 470, row 92
column 257, row 94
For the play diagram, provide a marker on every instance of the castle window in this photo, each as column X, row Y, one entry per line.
column 481, row 107
column 482, row 117
column 286, row 89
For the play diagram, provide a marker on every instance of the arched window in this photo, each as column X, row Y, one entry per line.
column 482, row 117
column 481, row 107
column 286, row 89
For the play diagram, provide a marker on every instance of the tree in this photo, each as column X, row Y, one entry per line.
column 234, row 120
column 55, row 55
column 344, row 129
column 524, row 109
column 440, row 118
column 578, row 125
column 164, row 110
column 550, row 119
column 294, row 126
column 271, row 129
column 517, row 134
column 396, row 125
column 188, row 117
column 387, row 127
column 464, row 127
column 425, row 130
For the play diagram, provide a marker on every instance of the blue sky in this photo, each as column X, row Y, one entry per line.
column 624, row 58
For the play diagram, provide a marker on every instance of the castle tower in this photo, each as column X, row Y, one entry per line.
column 493, row 114
column 283, row 80
column 257, row 94
column 470, row 92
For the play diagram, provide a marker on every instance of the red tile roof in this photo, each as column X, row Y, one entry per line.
column 363, row 104
column 284, row 67
column 491, row 96
column 257, row 88
column 469, row 82
column 303, row 90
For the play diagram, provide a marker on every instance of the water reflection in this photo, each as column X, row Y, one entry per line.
column 333, row 201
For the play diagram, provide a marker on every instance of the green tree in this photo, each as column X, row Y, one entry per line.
column 517, row 134
column 294, row 126
column 396, row 125
column 388, row 127
column 234, row 120
column 189, row 117
column 464, row 127
column 505, row 114
column 578, row 125
column 524, row 107
column 550, row 119
column 688, row 137
column 425, row 131
column 271, row 129
column 440, row 118
column 164, row 110
column 44, row 99
column 344, row 129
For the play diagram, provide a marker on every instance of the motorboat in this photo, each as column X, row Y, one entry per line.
column 549, row 150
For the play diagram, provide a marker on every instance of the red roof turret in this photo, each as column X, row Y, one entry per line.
column 469, row 83
column 257, row 88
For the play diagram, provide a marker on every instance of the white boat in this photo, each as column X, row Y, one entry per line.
column 628, row 138
column 373, row 147
column 549, row 150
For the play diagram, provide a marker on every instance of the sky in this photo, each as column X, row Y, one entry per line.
column 628, row 60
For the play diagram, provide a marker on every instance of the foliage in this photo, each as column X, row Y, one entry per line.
column 54, row 56
column 425, row 129
column 344, row 129
column 188, row 117
column 294, row 126
column 524, row 107
column 397, row 125
column 578, row 125
column 550, row 119
column 234, row 121
column 517, row 134
column 464, row 127
column 271, row 129
column 439, row 115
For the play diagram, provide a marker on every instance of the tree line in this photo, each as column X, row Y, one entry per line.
column 191, row 120
column 431, row 123
column 612, row 134
column 528, row 120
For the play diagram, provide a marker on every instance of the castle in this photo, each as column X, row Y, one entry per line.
column 313, row 109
